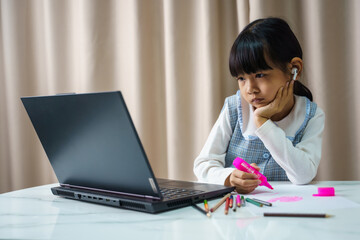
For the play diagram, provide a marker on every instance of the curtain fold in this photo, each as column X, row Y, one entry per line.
column 170, row 60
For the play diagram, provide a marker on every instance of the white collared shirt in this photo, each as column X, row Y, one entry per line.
column 300, row 162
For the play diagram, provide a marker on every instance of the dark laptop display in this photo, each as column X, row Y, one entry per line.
column 97, row 155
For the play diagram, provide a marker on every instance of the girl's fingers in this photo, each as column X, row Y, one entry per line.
column 289, row 90
column 243, row 175
column 280, row 92
column 286, row 88
column 286, row 93
column 244, row 179
column 255, row 166
column 291, row 87
column 246, row 183
column 278, row 95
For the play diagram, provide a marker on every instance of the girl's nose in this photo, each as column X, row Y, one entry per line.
column 252, row 87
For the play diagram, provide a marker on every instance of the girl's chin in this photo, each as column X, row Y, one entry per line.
column 255, row 106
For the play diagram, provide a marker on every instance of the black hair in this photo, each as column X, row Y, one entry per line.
column 271, row 37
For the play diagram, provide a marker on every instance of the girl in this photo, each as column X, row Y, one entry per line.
column 271, row 122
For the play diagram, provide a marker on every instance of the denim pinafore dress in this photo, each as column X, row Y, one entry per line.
column 252, row 150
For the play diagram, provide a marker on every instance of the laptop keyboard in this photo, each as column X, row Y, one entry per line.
column 172, row 193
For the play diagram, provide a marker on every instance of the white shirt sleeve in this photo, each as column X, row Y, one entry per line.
column 300, row 162
column 209, row 166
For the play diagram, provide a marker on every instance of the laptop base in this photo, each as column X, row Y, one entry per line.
column 132, row 203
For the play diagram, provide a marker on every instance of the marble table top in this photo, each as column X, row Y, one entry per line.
column 35, row 213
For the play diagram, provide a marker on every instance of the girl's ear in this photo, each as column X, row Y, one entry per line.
column 297, row 63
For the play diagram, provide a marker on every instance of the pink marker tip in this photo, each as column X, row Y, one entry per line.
column 268, row 185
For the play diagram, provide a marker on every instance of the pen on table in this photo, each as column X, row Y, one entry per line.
column 201, row 210
column 263, row 202
column 242, row 200
column 313, row 215
column 220, row 202
column 227, row 203
column 238, row 201
column 235, row 205
column 254, row 202
column 206, row 206
column 231, row 202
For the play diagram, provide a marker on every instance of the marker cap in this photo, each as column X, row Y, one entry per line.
column 325, row 192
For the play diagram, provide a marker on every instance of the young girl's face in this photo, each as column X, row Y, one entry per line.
column 259, row 89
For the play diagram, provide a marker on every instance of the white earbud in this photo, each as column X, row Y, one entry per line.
column 295, row 72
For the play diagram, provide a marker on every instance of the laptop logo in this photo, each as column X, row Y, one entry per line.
column 153, row 185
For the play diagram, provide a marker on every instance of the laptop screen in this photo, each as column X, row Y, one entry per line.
column 91, row 142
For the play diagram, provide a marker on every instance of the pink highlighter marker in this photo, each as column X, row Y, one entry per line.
column 245, row 167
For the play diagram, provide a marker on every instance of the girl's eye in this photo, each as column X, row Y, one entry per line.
column 260, row 75
column 241, row 78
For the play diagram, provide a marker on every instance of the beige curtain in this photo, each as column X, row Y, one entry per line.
column 170, row 60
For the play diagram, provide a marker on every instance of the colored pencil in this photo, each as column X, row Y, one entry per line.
column 311, row 215
column 242, row 200
column 206, row 206
column 201, row 210
column 231, row 202
column 220, row 202
column 238, row 201
column 253, row 202
column 227, row 203
column 263, row 202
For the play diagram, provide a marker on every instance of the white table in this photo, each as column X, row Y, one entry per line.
column 35, row 213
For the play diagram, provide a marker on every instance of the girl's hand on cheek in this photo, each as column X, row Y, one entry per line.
column 283, row 97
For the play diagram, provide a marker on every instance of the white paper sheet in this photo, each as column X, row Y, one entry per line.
column 296, row 199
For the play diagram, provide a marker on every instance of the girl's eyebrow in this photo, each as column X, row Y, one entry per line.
column 260, row 71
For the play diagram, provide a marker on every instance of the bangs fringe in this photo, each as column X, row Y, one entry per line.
column 247, row 56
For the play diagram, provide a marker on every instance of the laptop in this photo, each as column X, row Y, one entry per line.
column 97, row 156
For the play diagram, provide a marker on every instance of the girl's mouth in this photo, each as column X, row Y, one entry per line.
column 257, row 100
